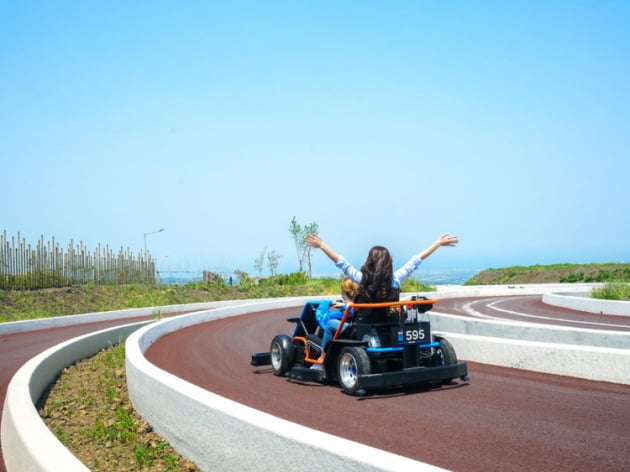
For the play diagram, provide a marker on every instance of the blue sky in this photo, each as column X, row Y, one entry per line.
column 505, row 123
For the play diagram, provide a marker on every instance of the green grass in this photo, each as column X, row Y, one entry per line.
column 613, row 291
column 554, row 273
column 89, row 410
column 45, row 303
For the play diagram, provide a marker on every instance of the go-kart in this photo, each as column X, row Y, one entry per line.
column 384, row 346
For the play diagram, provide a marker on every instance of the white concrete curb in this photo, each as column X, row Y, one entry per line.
column 71, row 320
column 590, row 305
column 520, row 331
column 27, row 443
column 460, row 291
column 587, row 362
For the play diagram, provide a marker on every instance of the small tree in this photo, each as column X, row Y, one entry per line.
column 260, row 261
column 313, row 228
column 303, row 251
column 272, row 261
column 296, row 233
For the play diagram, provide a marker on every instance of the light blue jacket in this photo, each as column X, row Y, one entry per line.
column 324, row 314
column 400, row 275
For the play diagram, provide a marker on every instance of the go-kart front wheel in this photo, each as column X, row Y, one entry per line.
column 282, row 353
column 353, row 361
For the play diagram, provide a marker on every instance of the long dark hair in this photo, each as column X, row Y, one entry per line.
column 376, row 282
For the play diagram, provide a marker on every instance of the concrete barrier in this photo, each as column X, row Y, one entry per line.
column 71, row 320
column 460, row 291
column 585, row 303
column 587, row 362
column 27, row 443
column 520, row 331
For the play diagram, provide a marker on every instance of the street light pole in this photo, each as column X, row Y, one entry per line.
column 145, row 238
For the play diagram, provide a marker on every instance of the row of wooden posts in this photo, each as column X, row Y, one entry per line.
column 44, row 265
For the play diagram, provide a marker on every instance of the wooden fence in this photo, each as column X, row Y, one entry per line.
column 23, row 267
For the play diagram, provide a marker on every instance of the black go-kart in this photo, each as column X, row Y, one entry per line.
column 384, row 346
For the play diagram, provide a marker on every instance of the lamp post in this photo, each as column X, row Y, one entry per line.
column 147, row 234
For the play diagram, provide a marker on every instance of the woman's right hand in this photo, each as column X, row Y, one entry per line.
column 313, row 240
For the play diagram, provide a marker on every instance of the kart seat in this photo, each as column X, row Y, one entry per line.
column 374, row 320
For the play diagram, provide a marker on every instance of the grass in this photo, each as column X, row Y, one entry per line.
column 45, row 303
column 89, row 410
column 613, row 291
column 554, row 273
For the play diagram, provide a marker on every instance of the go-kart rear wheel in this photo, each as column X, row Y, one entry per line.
column 446, row 355
column 446, row 351
column 353, row 361
column 282, row 353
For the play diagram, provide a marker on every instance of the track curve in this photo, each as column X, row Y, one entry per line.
column 502, row 419
column 17, row 348
column 529, row 309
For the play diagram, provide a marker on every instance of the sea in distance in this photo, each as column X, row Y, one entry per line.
column 429, row 277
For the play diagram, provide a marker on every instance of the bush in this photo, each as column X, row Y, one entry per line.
column 612, row 291
column 413, row 285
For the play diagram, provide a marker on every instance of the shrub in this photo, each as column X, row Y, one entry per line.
column 612, row 291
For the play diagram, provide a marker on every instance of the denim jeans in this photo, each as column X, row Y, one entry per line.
column 329, row 332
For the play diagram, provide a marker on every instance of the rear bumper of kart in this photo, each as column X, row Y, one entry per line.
column 261, row 358
column 413, row 376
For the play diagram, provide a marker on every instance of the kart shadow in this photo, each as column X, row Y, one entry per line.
column 417, row 390
column 306, row 383
column 269, row 370
column 377, row 394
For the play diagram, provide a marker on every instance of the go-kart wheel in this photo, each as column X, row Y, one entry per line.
column 446, row 355
column 353, row 361
column 282, row 353
column 446, row 351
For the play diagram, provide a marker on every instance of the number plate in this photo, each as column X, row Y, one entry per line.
column 417, row 333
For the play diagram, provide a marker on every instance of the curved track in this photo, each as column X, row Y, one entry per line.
column 16, row 349
column 529, row 309
column 502, row 419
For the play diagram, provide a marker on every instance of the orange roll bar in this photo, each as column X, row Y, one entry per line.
column 408, row 304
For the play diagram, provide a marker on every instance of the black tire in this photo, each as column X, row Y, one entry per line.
column 282, row 353
column 446, row 351
column 352, row 362
column 446, row 356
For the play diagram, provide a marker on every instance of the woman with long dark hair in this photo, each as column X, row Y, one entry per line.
column 377, row 280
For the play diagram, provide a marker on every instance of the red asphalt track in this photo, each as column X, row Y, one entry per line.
column 530, row 309
column 502, row 419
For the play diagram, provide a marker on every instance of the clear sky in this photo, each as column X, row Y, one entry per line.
column 384, row 122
